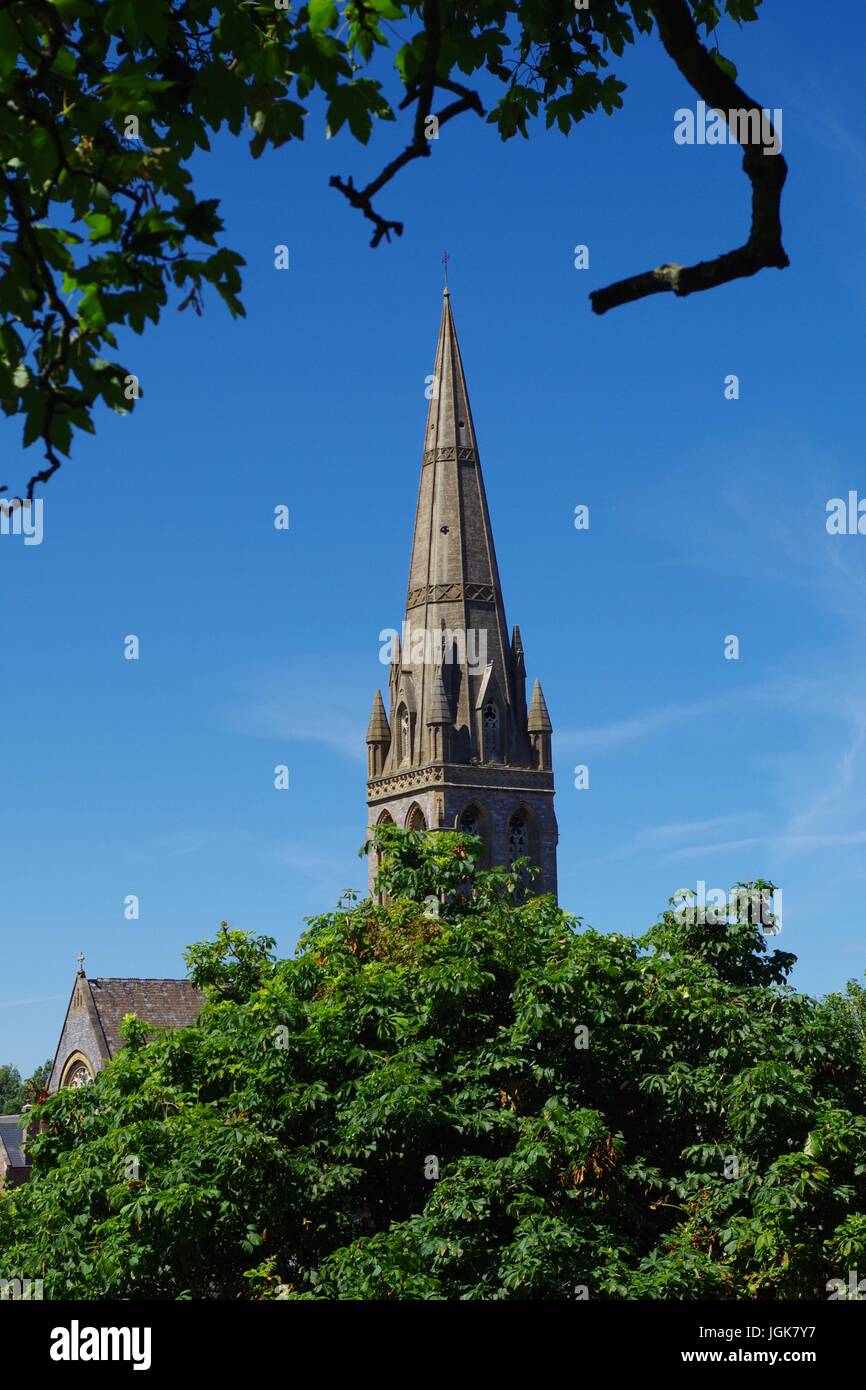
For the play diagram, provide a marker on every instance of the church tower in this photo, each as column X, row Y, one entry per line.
column 457, row 748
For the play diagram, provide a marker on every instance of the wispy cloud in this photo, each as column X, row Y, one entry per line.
column 330, row 872
column 780, row 844
column 663, row 834
column 40, row 999
column 603, row 738
column 303, row 706
column 664, row 841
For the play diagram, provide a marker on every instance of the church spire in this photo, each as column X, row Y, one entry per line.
column 454, row 584
column 449, row 419
column 458, row 749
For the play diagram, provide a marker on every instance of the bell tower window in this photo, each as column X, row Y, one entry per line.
column 518, row 837
column 405, row 736
column 490, row 725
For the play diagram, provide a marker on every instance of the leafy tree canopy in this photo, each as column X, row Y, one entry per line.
column 104, row 103
column 15, row 1093
column 10, row 1090
column 463, row 1093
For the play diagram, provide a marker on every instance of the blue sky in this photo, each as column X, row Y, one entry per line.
column 259, row 647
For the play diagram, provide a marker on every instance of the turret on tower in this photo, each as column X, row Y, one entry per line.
column 460, row 750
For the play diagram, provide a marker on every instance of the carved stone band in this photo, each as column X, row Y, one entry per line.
column 448, row 454
column 446, row 593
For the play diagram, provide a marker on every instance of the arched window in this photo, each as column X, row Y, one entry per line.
column 490, row 725
column 405, row 735
column 415, row 819
column 77, row 1071
column 473, row 820
column 518, row 837
column 385, row 819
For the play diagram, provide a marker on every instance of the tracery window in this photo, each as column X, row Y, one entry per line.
column 518, row 837
column 405, row 736
column 490, row 716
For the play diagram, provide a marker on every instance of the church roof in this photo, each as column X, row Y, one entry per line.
column 164, row 1003
column 10, row 1140
column 97, row 1008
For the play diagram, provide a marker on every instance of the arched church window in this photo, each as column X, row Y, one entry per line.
column 78, row 1074
column 405, row 735
column 490, row 717
column 473, row 821
column 518, row 837
column 415, row 819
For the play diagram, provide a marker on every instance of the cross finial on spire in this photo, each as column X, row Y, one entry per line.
column 81, row 962
column 445, row 259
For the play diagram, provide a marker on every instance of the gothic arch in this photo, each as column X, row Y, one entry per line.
column 403, row 731
column 491, row 732
column 77, row 1070
column 474, row 820
column 385, row 818
column 521, row 837
column 415, row 818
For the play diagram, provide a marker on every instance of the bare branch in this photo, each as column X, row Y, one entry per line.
column 423, row 92
column 765, row 172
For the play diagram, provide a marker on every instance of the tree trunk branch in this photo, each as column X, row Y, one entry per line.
column 765, row 172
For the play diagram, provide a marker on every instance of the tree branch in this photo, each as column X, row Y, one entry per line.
column 765, row 172
column 423, row 92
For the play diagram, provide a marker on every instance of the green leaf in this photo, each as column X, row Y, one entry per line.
column 323, row 15
column 725, row 64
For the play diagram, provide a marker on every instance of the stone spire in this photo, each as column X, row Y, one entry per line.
column 540, row 728
column 455, row 614
column 460, row 750
column 378, row 737
column 539, row 719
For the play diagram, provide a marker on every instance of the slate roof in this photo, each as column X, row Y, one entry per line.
column 10, row 1138
column 164, row 1003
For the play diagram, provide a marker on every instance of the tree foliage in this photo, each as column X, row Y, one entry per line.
column 105, row 103
column 15, row 1093
column 485, row 1101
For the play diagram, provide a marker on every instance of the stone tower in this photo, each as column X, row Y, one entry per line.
column 457, row 749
